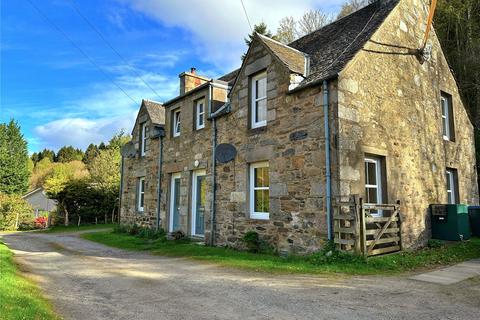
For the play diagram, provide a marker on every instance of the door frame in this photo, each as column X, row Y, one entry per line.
column 196, row 173
column 174, row 176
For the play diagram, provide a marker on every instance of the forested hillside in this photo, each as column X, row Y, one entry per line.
column 457, row 23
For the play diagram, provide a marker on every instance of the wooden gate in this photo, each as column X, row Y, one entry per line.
column 367, row 229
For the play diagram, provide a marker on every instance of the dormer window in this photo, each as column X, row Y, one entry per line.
column 258, row 106
column 200, row 114
column 143, row 139
column 176, row 123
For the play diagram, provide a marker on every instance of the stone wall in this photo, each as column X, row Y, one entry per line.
column 141, row 166
column 389, row 105
column 292, row 143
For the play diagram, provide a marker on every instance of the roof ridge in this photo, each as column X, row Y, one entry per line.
column 376, row 3
column 149, row 100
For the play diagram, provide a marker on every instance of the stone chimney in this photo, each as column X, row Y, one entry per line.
column 190, row 80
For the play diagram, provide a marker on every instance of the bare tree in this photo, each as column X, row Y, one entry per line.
column 312, row 20
column 287, row 30
column 351, row 6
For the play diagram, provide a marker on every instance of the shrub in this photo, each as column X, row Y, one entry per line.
column 149, row 233
column 252, row 241
column 13, row 207
column 41, row 222
column 329, row 254
column 434, row 243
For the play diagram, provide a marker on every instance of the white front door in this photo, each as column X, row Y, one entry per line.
column 373, row 183
column 199, row 202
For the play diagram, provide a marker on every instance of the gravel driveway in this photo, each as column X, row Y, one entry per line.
column 86, row 280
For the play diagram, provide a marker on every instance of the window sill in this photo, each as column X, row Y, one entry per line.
column 260, row 216
column 258, row 130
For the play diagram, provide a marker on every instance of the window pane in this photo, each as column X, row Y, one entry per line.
column 200, row 120
column 449, row 181
column 444, row 126
column 450, row 197
column 261, row 110
column 261, row 89
column 262, row 201
column 261, row 177
column 372, row 195
column 371, row 173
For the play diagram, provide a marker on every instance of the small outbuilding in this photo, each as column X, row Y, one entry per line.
column 39, row 200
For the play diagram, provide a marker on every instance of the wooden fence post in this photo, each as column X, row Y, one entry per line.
column 357, row 222
column 363, row 234
column 400, row 222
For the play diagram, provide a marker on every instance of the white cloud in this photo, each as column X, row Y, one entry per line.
column 80, row 132
column 103, row 111
column 218, row 27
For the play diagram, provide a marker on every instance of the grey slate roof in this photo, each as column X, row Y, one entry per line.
column 333, row 46
column 155, row 111
column 292, row 58
column 330, row 48
column 230, row 77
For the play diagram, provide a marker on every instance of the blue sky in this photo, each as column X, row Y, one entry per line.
column 60, row 98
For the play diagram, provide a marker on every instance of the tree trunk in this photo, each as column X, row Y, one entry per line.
column 67, row 222
column 16, row 220
column 79, row 219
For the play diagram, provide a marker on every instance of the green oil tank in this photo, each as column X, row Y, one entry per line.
column 450, row 222
column 474, row 212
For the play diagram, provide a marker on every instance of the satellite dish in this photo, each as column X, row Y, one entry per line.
column 128, row 150
column 225, row 152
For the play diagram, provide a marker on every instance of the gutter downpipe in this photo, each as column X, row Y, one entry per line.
column 214, row 180
column 327, row 158
column 160, row 164
column 122, row 165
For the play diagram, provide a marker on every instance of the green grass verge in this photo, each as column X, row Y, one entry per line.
column 314, row 264
column 19, row 297
column 74, row 228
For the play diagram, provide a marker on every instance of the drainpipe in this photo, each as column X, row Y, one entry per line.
column 214, row 180
column 328, row 173
column 159, row 182
column 122, row 164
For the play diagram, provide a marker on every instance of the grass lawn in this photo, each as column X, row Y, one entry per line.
column 19, row 297
column 74, row 227
column 314, row 264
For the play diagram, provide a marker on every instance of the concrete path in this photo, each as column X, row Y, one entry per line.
column 86, row 280
column 453, row 274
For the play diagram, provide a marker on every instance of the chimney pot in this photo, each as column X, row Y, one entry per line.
column 193, row 70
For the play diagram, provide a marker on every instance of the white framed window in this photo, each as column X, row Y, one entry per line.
column 200, row 114
column 143, row 139
column 176, row 123
column 141, row 194
column 447, row 117
column 452, row 188
column 258, row 106
column 259, row 191
column 373, row 183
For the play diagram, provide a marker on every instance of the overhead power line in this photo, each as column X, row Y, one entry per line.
column 77, row 9
column 246, row 15
column 40, row 12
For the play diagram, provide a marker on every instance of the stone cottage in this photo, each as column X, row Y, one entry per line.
column 352, row 108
